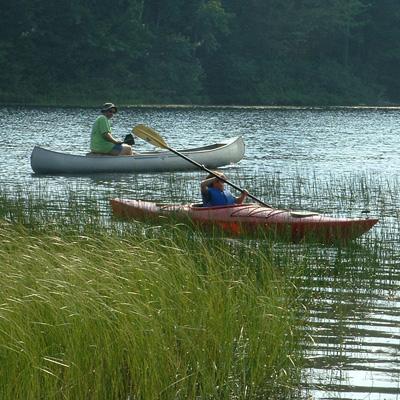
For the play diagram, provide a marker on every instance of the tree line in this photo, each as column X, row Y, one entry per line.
column 272, row 52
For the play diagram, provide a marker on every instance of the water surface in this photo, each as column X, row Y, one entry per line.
column 340, row 161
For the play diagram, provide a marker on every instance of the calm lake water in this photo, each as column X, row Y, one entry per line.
column 341, row 161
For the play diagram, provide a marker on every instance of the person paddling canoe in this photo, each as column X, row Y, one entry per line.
column 214, row 193
column 102, row 140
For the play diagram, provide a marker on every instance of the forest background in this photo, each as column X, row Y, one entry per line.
column 244, row 52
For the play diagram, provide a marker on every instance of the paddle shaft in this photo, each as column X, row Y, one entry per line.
column 220, row 178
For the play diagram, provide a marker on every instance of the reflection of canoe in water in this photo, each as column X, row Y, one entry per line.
column 45, row 161
column 250, row 219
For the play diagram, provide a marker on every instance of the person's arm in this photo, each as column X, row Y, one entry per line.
column 206, row 183
column 110, row 138
column 241, row 198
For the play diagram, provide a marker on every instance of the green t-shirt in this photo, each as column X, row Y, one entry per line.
column 98, row 143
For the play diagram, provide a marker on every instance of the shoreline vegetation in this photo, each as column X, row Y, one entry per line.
column 201, row 52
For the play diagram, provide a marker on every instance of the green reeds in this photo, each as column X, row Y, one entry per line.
column 93, row 308
column 111, row 315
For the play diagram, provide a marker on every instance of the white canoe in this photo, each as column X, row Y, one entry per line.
column 45, row 161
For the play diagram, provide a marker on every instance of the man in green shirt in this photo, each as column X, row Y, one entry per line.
column 102, row 140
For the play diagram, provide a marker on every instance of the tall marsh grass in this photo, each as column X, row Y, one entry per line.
column 92, row 311
column 93, row 308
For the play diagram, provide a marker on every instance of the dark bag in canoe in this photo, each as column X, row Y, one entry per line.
column 129, row 139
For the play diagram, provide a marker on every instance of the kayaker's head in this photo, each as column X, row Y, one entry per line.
column 109, row 109
column 217, row 183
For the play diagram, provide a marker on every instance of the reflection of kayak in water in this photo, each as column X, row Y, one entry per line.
column 250, row 219
column 45, row 161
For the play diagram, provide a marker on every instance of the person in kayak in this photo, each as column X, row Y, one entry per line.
column 102, row 140
column 213, row 192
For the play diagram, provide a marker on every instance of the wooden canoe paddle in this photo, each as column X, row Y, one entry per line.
column 151, row 136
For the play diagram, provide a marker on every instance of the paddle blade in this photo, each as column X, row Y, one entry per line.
column 149, row 135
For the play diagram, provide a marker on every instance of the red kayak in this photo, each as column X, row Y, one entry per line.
column 250, row 219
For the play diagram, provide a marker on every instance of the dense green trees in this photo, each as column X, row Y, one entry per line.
column 200, row 51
